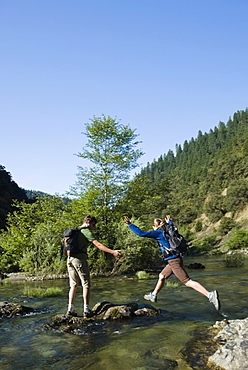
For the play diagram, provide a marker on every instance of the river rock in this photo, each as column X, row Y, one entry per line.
column 103, row 312
column 196, row 266
column 232, row 338
column 13, row 309
column 2, row 275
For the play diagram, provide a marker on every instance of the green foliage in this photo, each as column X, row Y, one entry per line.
column 235, row 259
column 138, row 252
column 143, row 275
column 207, row 174
column 6, row 281
column 43, row 253
column 171, row 284
column 238, row 241
column 41, row 293
column 226, row 225
column 9, row 191
column 215, row 208
column 185, row 231
column 32, row 239
column 111, row 147
column 202, row 169
column 204, row 245
column 198, row 226
column 237, row 195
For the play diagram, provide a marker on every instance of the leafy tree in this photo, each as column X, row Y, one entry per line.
column 215, row 208
column 9, row 191
column 226, row 225
column 237, row 195
column 204, row 245
column 139, row 253
column 111, row 147
column 145, row 199
column 198, row 226
column 239, row 240
column 235, row 259
column 32, row 239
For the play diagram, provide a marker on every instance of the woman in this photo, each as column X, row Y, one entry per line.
column 174, row 263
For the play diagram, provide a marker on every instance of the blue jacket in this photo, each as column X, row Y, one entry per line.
column 154, row 234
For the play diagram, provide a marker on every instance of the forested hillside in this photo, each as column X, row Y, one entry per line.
column 203, row 186
column 206, row 174
column 9, row 190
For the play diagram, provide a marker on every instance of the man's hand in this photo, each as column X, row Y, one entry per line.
column 127, row 220
column 168, row 218
column 117, row 253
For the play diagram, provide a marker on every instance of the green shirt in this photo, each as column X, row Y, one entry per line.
column 85, row 237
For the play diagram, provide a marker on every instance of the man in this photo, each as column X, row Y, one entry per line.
column 78, row 268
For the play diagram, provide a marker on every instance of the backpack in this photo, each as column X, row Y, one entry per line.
column 178, row 245
column 69, row 243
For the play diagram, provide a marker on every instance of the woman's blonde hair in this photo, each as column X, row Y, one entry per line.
column 159, row 222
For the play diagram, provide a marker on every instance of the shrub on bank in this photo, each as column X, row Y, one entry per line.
column 204, row 245
column 238, row 241
column 235, row 259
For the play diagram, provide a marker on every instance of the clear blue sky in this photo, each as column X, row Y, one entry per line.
column 167, row 68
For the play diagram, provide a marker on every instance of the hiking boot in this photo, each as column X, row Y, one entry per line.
column 214, row 298
column 150, row 297
column 71, row 313
column 87, row 314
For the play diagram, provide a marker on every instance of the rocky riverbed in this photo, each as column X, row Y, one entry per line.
column 224, row 346
column 232, row 340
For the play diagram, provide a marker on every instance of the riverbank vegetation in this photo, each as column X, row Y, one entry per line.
column 41, row 292
column 203, row 185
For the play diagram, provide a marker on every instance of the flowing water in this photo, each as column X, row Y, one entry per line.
column 130, row 344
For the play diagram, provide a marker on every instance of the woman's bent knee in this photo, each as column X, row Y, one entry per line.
column 189, row 283
column 161, row 277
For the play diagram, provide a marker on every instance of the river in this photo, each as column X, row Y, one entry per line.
column 130, row 344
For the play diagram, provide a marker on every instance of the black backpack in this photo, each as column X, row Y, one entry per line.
column 69, row 243
column 178, row 245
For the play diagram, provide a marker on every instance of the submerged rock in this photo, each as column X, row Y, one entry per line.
column 232, row 339
column 196, row 266
column 13, row 309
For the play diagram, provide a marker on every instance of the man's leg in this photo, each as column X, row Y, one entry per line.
column 74, row 282
column 86, row 295
column 72, row 294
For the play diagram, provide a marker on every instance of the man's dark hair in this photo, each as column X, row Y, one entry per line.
column 90, row 219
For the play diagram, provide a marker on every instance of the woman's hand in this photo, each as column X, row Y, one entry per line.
column 168, row 218
column 127, row 220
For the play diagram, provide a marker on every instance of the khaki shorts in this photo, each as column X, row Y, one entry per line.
column 175, row 266
column 79, row 272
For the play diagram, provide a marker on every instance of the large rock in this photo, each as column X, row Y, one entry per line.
column 103, row 312
column 13, row 309
column 233, row 341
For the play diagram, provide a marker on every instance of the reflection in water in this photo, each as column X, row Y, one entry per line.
column 135, row 344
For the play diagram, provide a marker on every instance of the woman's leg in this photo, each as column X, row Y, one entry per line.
column 198, row 287
column 159, row 285
column 164, row 274
column 177, row 268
